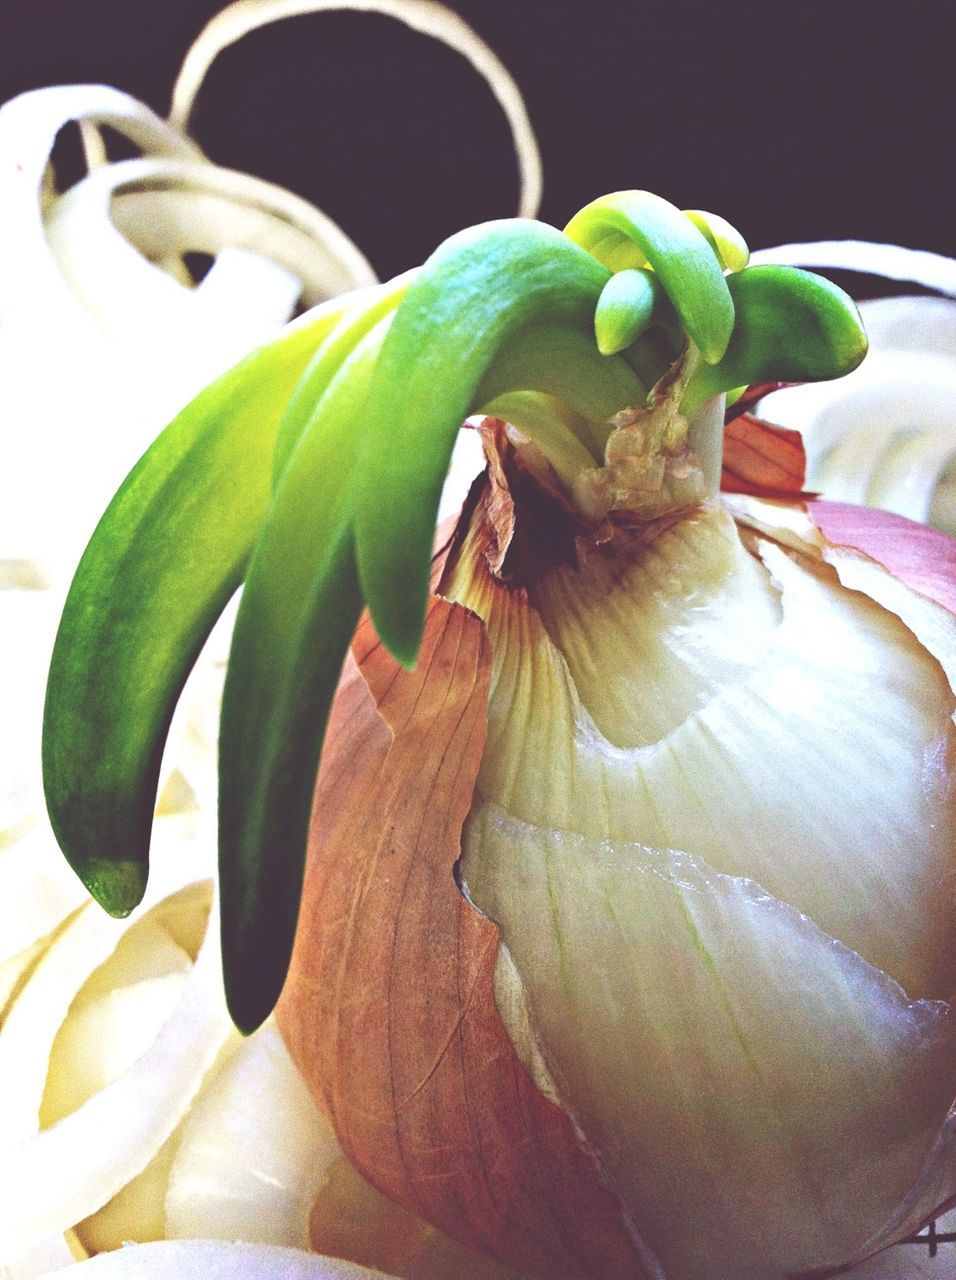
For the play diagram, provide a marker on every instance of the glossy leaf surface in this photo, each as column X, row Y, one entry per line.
column 299, row 608
column 164, row 560
column 472, row 295
column 791, row 326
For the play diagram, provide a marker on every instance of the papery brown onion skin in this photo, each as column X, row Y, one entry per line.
column 389, row 1009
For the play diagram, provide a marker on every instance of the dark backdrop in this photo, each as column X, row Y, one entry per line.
column 813, row 119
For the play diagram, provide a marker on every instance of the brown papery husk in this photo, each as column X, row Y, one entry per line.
column 389, row 1009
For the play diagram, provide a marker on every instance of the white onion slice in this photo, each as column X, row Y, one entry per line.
column 65, row 1173
column 101, row 229
column 132, row 342
column 33, row 289
column 60, row 1250
column 37, row 891
column 884, row 436
column 253, row 1153
column 28, row 620
column 918, row 266
column 14, row 971
column 425, row 16
column 909, row 475
column 31, row 1025
column 103, row 1038
column 213, row 1260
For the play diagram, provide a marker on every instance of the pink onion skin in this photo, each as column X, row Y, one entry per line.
column 918, row 555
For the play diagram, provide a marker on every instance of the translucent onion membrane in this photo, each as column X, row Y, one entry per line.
column 885, row 435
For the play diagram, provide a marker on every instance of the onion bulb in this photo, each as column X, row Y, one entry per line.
column 625, row 942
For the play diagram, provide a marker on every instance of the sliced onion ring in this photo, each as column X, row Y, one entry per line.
column 32, row 286
column 168, row 206
column 68, row 1171
column 214, row 1260
column 34, row 1019
column 425, row 16
column 918, row 266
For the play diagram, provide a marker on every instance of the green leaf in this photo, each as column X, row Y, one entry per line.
column 473, row 294
column 681, row 255
column 357, row 320
column 164, row 560
column 299, row 609
column 560, row 360
column 791, row 326
column 626, row 309
column 551, row 424
column 725, row 240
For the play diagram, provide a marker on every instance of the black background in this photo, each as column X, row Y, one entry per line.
column 800, row 121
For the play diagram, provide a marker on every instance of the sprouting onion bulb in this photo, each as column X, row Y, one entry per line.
column 627, row 928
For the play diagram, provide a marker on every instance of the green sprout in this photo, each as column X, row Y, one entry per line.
column 311, row 473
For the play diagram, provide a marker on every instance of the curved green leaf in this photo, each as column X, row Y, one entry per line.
column 626, row 308
column 163, row 562
column 551, row 424
column 560, row 360
column 725, row 240
column 792, row 326
column 681, row 255
column 357, row 320
column 478, row 289
column 299, row 609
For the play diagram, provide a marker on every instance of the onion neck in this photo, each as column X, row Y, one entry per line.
column 649, row 461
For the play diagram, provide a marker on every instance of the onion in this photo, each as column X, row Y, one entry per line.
column 622, row 933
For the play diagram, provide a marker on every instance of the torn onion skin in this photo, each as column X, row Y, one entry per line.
column 414, row 1067
column 390, row 1007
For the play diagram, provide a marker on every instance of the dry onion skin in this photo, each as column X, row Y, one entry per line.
column 626, row 929
column 886, row 435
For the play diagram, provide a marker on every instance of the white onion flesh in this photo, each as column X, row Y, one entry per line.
column 637, row 838
column 28, row 620
column 253, row 1153
column 31, row 1025
column 761, row 1090
column 33, row 289
column 115, row 1134
column 836, row 670
column 109, row 229
column 213, row 1260
column 53, row 1253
